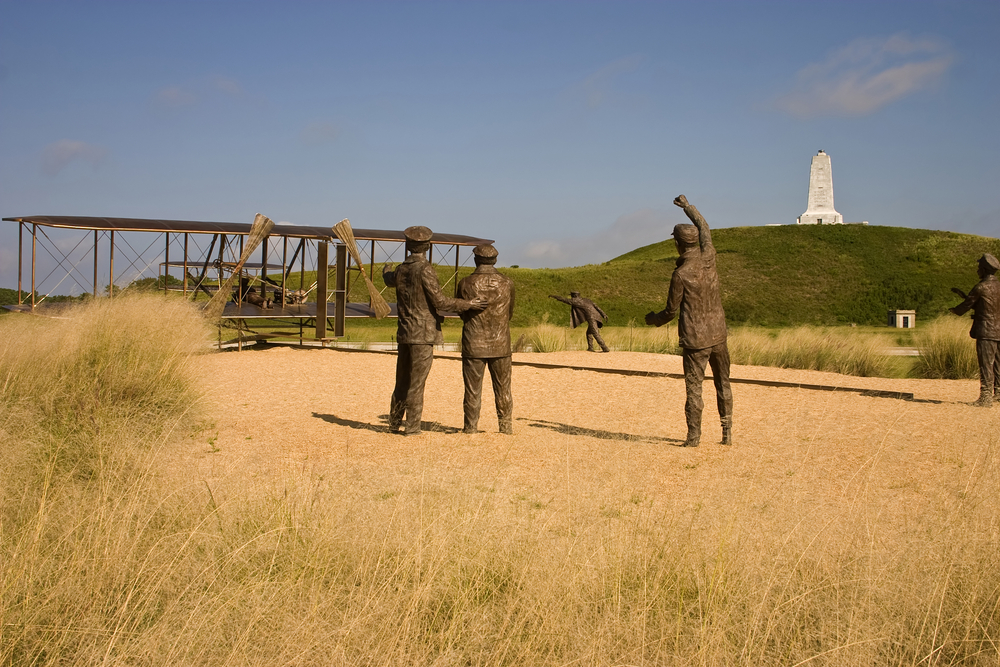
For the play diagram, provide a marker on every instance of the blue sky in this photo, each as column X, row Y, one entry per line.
column 561, row 129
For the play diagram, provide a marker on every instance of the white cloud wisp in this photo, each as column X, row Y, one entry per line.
column 175, row 97
column 630, row 231
column 58, row 155
column 600, row 85
column 866, row 75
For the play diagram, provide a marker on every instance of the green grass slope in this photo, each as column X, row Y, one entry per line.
column 771, row 276
column 779, row 276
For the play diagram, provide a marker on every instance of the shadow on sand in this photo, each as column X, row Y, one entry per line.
column 567, row 429
column 383, row 427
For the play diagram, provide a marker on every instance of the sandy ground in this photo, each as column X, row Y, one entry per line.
column 592, row 440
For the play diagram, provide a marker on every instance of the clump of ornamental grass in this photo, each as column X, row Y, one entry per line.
column 85, row 403
column 946, row 350
column 107, row 371
column 641, row 338
column 546, row 337
column 811, row 348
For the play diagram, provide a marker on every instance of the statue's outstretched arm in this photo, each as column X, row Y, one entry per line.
column 435, row 296
column 695, row 216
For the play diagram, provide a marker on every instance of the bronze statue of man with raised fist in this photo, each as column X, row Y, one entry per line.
column 695, row 298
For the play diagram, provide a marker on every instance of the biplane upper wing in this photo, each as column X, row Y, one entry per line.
column 233, row 228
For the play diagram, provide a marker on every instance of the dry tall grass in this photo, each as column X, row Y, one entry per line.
column 547, row 337
column 104, row 561
column 642, row 338
column 811, row 348
column 808, row 348
column 946, row 350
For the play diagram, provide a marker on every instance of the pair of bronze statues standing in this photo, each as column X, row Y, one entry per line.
column 486, row 307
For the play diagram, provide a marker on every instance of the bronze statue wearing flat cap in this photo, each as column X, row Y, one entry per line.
column 419, row 303
column 584, row 310
column 701, row 326
column 418, row 234
column 984, row 301
column 486, row 340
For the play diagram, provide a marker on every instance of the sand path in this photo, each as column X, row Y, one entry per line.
column 594, row 442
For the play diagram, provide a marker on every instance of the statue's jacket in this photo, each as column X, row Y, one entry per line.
column 420, row 302
column 586, row 312
column 486, row 334
column 694, row 292
column 984, row 301
column 583, row 311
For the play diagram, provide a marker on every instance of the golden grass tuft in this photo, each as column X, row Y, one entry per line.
column 811, row 348
column 642, row 338
column 545, row 337
column 946, row 350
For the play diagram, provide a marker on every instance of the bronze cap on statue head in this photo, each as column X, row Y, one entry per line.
column 485, row 250
column 418, row 234
column 686, row 234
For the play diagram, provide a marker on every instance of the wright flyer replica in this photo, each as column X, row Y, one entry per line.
column 264, row 281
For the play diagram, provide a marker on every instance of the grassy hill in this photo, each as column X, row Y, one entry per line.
column 779, row 276
column 771, row 276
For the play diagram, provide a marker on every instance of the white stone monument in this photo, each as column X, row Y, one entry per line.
column 819, row 210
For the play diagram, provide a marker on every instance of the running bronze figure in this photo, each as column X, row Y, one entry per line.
column 585, row 310
column 984, row 301
column 419, row 301
column 701, row 324
column 486, row 340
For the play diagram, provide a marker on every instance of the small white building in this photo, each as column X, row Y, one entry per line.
column 903, row 319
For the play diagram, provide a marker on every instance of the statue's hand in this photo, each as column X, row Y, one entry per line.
column 681, row 201
column 386, row 268
column 479, row 303
column 651, row 318
column 553, row 296
column 959, row 292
